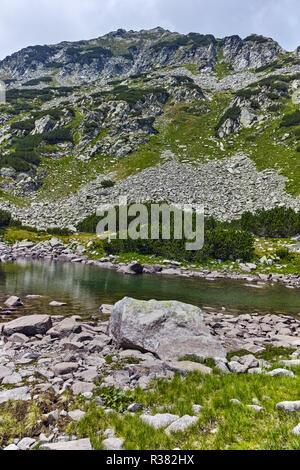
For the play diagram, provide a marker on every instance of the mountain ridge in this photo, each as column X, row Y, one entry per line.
column 114, row 106
column 125, row 51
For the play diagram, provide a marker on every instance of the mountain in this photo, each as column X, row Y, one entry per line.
column 164, row 115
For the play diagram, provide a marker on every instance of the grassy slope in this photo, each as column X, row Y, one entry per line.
column 181, row 126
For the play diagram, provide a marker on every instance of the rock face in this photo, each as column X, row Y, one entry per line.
column 29, row 326
column 170, row 330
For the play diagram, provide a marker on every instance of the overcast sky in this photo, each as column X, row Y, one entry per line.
column 31, row 22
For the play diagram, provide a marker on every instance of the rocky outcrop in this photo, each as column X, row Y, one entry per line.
column 170, row 330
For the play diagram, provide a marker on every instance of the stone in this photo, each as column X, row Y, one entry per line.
column 12, row 379
column 109, row 433
column 235, row 401
column 52, row 416
column 296, row 430
column 26, row 443
column 76, row 415
column 11, row 447
column 89, row 375
column 289, row 406
column 65, row 328
column 280, row 373
column 80, row 444
column 291, row 363
column 159, row 420
column 132, row 268
column 106, row 309
column 82, row 387
column 222, row 366
column 20, row 393
column 168, row 329
column 197, row 408
column 54, row 303
column 134, row 407
column 249, row 361
column 4, row 372
column 13, row 301
column 30, row 325
column 255, row 370
column 18, row 338
column 255, row 408
column 236, row 367
column 113, row 443
column 184, row 367
column 181, row 424
column 65, row 368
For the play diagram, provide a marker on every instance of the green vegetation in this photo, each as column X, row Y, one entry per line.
column 194, row 40
column 284, row 254
column 220, row 242
column 107, row 183
column 256, row 38
column 292, row 119
column 277, row 222
column 232, row 113
column 133, row 95
column 37, row 81
column 5, row 218
column 222, row 425
column 26, row 125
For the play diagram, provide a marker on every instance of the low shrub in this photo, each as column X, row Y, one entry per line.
column 5, row 218
column 284, row 254
column 292, row 119
column 107, row 184
column 26, row 125
column 278, row 222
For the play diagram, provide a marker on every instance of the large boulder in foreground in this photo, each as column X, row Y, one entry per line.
column 30, row 325
column 168, row 329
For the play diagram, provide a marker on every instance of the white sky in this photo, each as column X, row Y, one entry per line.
column 31, row 22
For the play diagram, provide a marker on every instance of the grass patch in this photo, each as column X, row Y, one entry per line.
column 235, row 427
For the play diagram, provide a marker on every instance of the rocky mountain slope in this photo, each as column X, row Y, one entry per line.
column 110, row 108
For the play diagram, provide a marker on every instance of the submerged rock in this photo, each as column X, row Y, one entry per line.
column 13, row 301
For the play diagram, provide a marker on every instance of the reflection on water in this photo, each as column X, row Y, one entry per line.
column 85, row 288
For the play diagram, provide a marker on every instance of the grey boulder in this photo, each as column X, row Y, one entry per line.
column 20, row 393
column 289, row 406
column 181, row 424
column 159, row 420
column 113, row 443
column 29, row 326
column 168, row 329
column 65, row 328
